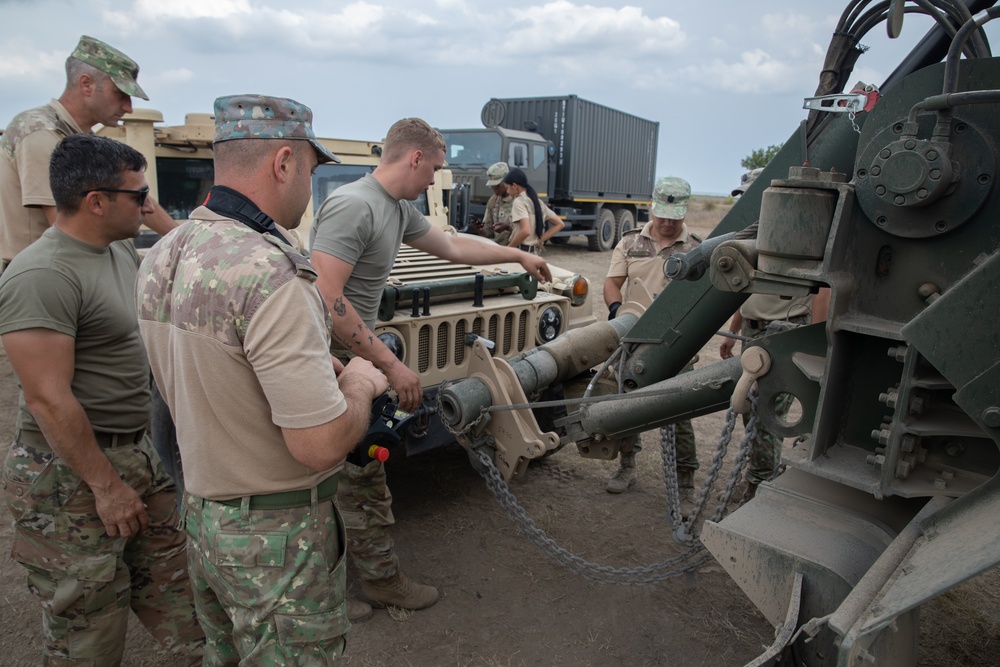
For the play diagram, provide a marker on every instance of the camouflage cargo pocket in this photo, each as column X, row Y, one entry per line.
column 250, row 549
column 310, row 639
column 30, row 499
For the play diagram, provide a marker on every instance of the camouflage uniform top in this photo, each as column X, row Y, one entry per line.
column 638, row 258
column 25, row 148
column 497, row 213
column 214, row 294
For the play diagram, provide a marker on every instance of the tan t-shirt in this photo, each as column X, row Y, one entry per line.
column 239, row 342
column 520, row 209
column 25, row 149
column 637, row 258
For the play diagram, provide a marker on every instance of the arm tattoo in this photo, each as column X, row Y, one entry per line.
column 339, row 306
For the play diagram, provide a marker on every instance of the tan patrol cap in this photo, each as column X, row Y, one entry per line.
column 495, row 174
column 670, row 198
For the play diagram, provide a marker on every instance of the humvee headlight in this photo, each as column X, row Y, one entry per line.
column 579, row 290
column 550, row 324
column 394, row 342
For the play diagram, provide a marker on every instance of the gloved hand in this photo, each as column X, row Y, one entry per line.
column 613, row 310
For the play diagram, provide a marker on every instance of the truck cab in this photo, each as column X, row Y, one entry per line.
column 469, row 154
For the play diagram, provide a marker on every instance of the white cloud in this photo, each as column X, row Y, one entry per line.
column 21, row 62
column 755, row 72
column 146, row 10
column 562, row 25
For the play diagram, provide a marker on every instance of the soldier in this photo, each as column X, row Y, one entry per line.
column 263, row 434
column 354, row 245
column 751, row 321
column 96, row 523
column 497, row 220
column 100, row 82
column 533, row 223
column 637, row 262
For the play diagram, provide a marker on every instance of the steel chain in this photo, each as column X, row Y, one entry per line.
column 852, row 115
column 687, row 561
column 695, row 556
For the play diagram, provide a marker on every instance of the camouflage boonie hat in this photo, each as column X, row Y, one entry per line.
column 746, row 181
column 495, row 174
column 265, row 117
column 670, row 198
column 123, row 70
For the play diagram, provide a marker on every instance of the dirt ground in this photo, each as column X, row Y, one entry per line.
column 504, row 604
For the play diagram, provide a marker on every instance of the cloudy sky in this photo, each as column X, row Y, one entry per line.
column 721, row 77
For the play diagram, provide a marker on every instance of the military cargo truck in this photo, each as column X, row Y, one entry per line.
column 429, row 306
column 595, row 166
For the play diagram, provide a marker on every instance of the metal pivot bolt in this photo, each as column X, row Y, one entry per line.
column 882, row 436
column 888, row 398
column 991, row 417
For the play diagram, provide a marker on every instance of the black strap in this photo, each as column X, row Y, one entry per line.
column 232, row 204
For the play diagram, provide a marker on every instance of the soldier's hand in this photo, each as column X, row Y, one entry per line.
column 536, row 266
column 407, row 386
column 122, row 511
column 338, row 365
column 362, row 368
column 726, row 349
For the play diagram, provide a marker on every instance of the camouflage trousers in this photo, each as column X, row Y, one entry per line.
column 268, row 584
column 85, row 580
column 765, row 448
column 365, row 502
column 687, row 450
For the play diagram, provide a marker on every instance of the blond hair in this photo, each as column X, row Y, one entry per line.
column 410, row 134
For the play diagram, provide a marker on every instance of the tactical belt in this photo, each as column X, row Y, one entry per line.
column 104, row 440
column 762, row 324
column 284, row 500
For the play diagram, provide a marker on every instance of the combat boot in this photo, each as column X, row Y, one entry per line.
column 399, row 591
column 358, row 610
column 625, row 478
column 749, row 494
column 685, row 488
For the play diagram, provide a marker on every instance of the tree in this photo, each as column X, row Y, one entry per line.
column 760, row 157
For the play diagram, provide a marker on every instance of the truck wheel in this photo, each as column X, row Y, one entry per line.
column 604, row 231
column 624, row 223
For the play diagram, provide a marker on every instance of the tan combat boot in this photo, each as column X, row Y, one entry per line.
column 358, row 610
column 399, row 591
column 625, row 478
column 685, row 488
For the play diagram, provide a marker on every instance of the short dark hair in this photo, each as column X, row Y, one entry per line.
column 82, row 163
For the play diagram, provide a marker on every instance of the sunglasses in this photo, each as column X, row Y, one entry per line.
column 141, row 195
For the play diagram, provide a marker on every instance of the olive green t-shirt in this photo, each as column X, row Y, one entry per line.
column 86, row 292
column 363, row 225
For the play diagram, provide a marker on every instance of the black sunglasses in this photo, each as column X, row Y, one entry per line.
column 142, row 194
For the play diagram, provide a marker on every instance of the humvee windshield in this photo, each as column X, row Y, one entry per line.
column 328, row 177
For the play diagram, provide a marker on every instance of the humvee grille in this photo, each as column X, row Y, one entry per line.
column 442, row 344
